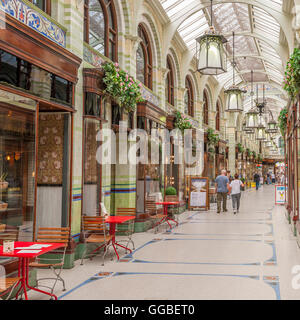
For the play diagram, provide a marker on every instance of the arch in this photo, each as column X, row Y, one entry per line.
column 100, row 17
column 144, row 62
column 189, row 99
column 170, row 83
column 177, row 73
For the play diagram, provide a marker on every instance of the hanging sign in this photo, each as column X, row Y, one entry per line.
column 280, row 194
column 199, row 193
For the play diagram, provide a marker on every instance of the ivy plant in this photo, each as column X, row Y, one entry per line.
column 212, row 138
column 121, row 86
column 240, row 148
column 292, row 74
column 282, row 121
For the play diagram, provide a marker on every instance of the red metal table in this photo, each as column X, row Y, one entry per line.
column 113, row 220
column 166, row 217
column 26, row 251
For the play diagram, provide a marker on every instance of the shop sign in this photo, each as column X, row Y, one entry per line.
column 280, row 194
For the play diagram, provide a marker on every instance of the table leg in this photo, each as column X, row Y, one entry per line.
column 21, row 274
column 26, row 269
column 117, row 244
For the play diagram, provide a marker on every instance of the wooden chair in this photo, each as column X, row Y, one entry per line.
column 8, row 233
column 151, row 208
column 7, row 285
column 94, row 231
column 52, row 235
column 126, row 228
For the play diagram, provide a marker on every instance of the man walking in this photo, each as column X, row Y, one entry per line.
column 222, row 190
column 256, row 180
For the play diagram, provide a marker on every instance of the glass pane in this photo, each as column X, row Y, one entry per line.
column 92, row 104
column 92, row 169
column 17, row 171
column 40, row 3
column 53, row 170
column 9, row 68
column 97, row 26
column 140, row 64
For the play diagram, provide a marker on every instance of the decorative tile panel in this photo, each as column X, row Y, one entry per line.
column 149, row 96
column 34, row 19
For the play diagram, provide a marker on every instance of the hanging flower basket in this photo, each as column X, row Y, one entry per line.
column 292, row 75
column 282, row 121
column 182, row 122
column 121, row 86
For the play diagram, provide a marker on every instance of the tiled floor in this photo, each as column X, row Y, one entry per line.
column 208, row 256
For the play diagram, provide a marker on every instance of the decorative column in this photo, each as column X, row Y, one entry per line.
column 231, row 153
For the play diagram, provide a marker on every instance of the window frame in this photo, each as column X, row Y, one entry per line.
column 148, row 62
column 218, row 116
column 205, row 107
column 47, row 4
column 170, row 80
column 109, row 11
column 190, row 93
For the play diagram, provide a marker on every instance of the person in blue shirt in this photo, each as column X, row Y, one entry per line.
column 222, row 189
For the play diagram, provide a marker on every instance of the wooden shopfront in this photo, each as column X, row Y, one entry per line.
column 37, row 86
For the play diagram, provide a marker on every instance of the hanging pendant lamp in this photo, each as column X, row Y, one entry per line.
column 234, row 100
column 252, row 114
column 210, row 52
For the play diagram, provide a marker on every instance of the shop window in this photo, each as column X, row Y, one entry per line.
column 92, row 105
column 17, row 170
column 116, row 114
column 170, row 82
column 15, row 71
column 53, row 178
column 44, row 5
column 19, row 73
column 189, row 97
column 100, row 27
column 61, row 89
column 144, row 58
column 205, row 108
column 218, row 117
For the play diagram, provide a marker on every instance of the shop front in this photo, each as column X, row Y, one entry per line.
column 37, row 82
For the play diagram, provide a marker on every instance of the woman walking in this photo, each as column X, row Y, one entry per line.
column 235, row 188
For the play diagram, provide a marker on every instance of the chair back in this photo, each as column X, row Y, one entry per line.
column 10, row 233
column 55, row 235
column 103, row 209
column 93, row 223
column 151, row 206
column 126, row 212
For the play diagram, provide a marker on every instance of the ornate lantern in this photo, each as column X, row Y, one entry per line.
column 260, row 133
column 210, row 52
column 272, row 126
column 234, row 100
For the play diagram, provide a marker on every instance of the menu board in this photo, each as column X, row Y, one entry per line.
column 199, row 193
column 280, row 194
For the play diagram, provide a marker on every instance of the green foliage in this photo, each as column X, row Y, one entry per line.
column 248, row 151
column 292, row 74
column 259, row 157
column 282, row 121
column 254, row 154
column 211, row 150
column 182, row 122
column 121, row 86
column 240, row 148
column 213, row 138
column 171, row 191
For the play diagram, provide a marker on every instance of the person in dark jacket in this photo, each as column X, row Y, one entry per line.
column 257, row 180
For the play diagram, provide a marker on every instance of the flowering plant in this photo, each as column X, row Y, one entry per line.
column 121, row 86
column 292, row 74
column 182, row 122
column 213, row 138
column 282, row 120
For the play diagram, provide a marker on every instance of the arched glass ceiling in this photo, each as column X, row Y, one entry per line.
column 255, row 29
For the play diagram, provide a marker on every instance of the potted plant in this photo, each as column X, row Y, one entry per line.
column 121, row 86
column 171, row 191
column 241, row 149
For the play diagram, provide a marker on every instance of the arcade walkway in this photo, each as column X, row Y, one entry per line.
column 209, row 256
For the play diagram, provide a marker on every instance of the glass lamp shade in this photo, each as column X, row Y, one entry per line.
column 210, row 54
column 260, row 133
column 234, row 100
column 272, row 127
column 252, row 119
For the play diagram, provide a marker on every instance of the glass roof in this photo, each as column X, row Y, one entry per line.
column 255, row 30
